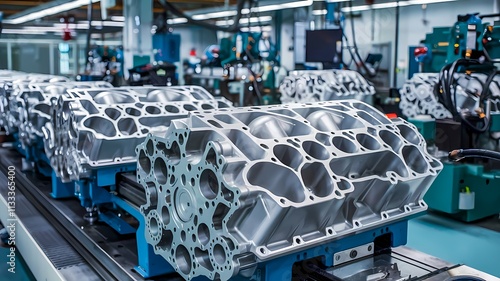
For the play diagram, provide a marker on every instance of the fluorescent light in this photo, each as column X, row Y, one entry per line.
column 117, row 18
column 43, row 28
column 266, row 28
column 268, row 8
column 104, row 23
column 392, row 5
column 23, row 31
column 177, row 21
column 214, row 15
column 319, row 12
column 245, row 20
column 72, row 25
column 49, row 11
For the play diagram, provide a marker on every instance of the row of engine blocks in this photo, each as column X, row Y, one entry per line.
column 226, row 187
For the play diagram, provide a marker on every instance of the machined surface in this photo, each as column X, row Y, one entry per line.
column 228, row 188
column 324, row 85
column 92, row 128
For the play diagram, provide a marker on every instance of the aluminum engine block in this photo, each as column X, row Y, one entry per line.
column 229, row 188
column 324, row 85
column 10, row 91
column 93, row 128
column 37, row 103
column 418, row 97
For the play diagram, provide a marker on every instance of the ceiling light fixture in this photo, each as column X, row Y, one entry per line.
column 23, row 31
column 177, row 21
column 392, row 5
column 245, row 20
column 267, row 8
column 117, row 18
column 51, row 8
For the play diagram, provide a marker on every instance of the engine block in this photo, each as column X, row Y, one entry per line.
column 93, row 128
column 36, row 103
column 324, row 85
column 227, row 189
column 11, row 90
column 418, row 97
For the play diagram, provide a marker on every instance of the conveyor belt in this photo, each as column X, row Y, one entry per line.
column 112, row 257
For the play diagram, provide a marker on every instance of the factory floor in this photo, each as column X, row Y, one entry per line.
column 473, row 244
column 450, row 240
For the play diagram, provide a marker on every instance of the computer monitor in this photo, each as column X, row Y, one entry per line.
column 324, row 46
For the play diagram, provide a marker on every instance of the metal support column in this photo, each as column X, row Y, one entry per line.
column 137, row 37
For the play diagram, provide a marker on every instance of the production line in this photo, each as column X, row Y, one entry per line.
column 318, row 191
column 283, row 151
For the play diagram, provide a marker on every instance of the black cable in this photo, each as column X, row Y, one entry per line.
column 459, row 154
column 355, row 45
column 233, row 28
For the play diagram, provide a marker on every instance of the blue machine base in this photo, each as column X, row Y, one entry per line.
column 281, row 268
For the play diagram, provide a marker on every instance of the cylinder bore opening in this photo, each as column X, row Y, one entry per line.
column 203, row 234
column 153, row 226
column 144, row 162
column 209, row 184
column 183, row 259
column 390, row 139
column 315, row 150
column 160, row 170
column 409, row 134
column 368, row 141
column 414, row 159
column 219, row 254
column 344, row 144
column 288, row 155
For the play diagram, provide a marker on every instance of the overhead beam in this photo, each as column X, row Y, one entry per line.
column 22, row 3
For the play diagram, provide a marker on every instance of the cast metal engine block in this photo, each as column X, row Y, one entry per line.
column 230, row 188
column 324, row 85
column 35, row 105
column 418, row 97
column 11, row 88
column 93, row 128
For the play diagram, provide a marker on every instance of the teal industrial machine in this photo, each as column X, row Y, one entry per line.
column 465, row 56
column 469, row 38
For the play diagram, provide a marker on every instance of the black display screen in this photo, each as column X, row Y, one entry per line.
column 324, row 46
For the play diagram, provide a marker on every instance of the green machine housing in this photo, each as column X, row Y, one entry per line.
column 469, row 37
column 458, row 179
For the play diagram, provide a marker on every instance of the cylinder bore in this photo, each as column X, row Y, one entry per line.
column 127, row 126
column 219, row 254
column 209, row 185
column 144, row 162
column 368, row 141
column 409, row 134
column 183, row 259
column 344, row 144
column 203, row 234
column 288, row 155
column 317, row 179
column 414, row 159
column 160, row 170
column 391, row 139
column 315, row 150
